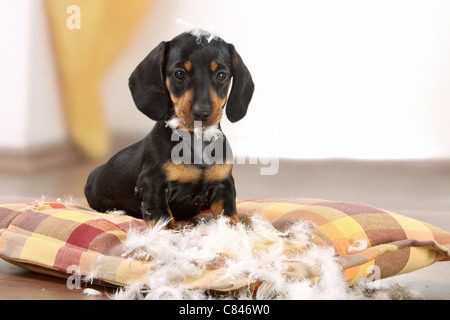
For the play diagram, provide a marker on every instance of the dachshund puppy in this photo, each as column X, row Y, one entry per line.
column 183, row 85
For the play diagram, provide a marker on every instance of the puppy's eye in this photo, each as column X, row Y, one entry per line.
column 221, row 76
column 179, row 74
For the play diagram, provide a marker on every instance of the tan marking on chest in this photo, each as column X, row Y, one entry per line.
column 218, row 172
column 181, row 172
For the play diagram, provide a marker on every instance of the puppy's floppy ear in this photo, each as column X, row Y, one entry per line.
column 242, row 90
column 147, row 84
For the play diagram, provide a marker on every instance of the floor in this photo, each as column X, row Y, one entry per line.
column 419, row 189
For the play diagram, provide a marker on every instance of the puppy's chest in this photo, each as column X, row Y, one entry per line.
column 193, row 174
column 206, row 151
column 190, row 185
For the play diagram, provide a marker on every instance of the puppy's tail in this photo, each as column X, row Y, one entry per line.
column 90, row 190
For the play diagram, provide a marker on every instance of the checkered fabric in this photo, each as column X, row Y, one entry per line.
column 58, row 239
column 395, row 244
column 62, row 239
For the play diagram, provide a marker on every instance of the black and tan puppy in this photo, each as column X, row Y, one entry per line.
column 180, row 84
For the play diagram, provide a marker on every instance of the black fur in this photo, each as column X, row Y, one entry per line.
column 134, row 180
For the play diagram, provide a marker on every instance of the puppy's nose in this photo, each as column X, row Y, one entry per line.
column 201, row 113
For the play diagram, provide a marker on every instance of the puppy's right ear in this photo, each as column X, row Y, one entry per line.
column 147, row 84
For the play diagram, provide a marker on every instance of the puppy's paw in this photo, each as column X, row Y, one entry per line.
column 234, row 219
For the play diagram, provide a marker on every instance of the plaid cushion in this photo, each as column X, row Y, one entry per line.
column 57, row 238
column 395, row 244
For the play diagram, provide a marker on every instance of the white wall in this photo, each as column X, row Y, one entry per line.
column 30, row 106
column 353, row 79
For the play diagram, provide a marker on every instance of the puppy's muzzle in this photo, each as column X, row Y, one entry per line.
column 201, row 112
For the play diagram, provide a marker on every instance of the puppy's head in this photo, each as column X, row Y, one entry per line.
column 190, row 77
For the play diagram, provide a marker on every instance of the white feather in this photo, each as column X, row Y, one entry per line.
column 173, row 123
column 92, row 292
column 253, row 251
column 357, row 246
column 212, row 133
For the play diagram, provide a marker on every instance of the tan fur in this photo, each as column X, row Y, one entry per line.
column 217, row 107
column 218, row 172
column 182, row 106
column 188, row 66
column 217, row 211
column 214, row 66
column 181, row 172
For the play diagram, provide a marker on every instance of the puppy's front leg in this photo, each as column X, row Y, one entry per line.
column 222, row 199
column 153, row 191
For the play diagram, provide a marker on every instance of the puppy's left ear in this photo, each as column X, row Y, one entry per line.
column 147, row 84
column 242, row 90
